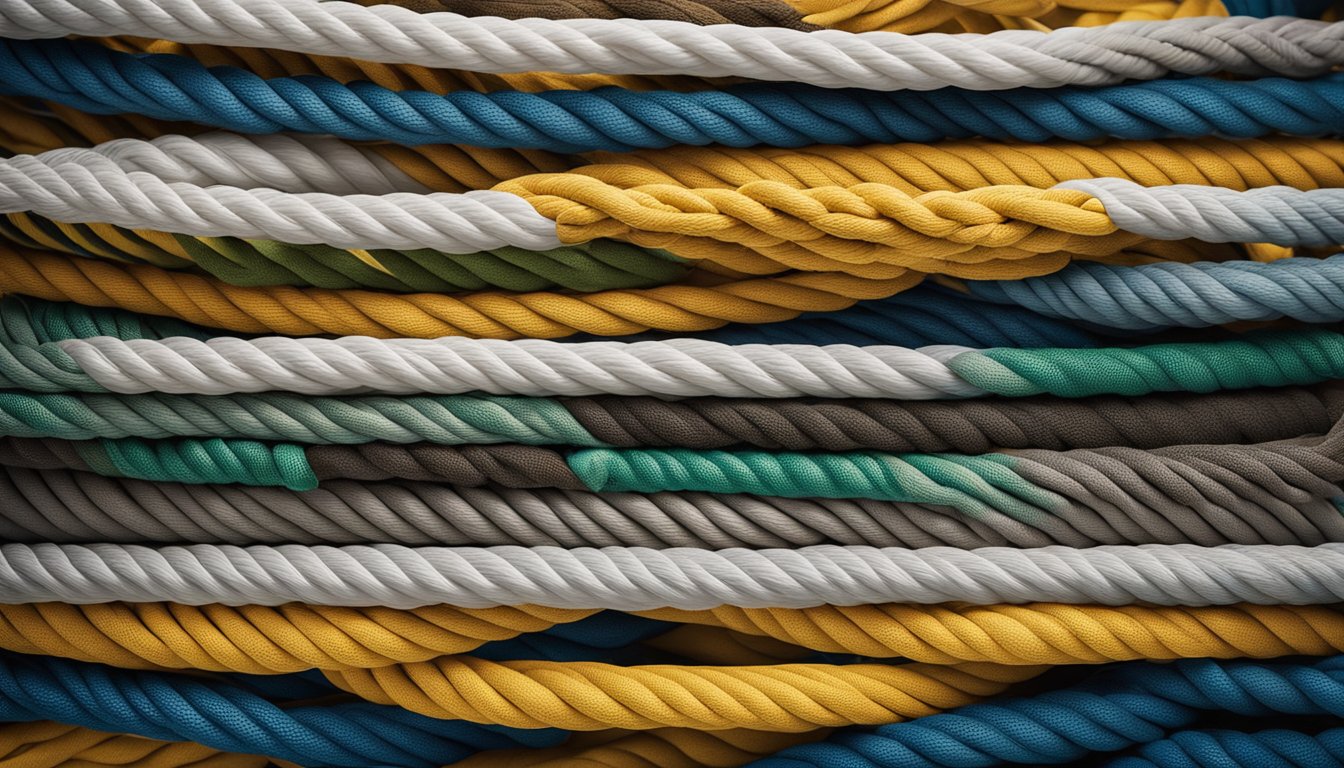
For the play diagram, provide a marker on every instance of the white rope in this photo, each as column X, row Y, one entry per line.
column 83, row 185
column 289, row 163
column 641, row 579
column 1279, row 215
column 536, row 367
column 878, row 60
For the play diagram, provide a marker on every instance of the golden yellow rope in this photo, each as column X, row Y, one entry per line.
column 291, row 638
column 57, row 745
column 658, row 748
column 589, row 696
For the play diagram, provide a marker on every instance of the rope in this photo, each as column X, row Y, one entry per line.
column 179, row 708
column 640, row 579
column 73, row 73
column 969, row 427
column 1235, row 748
column 487, row 44
column 1150, row 296
column 676, row 368
column 78, row 185
column 301, row 637
column 588, row 267
column 56, row 745
column 301, row 312
column 753, row 13
column 80, row 507
column 1114, row 710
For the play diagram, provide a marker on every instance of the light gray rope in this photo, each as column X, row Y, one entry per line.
column 383, row 32
column 632, row 579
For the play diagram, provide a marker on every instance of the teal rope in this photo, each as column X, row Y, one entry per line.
column 445, row 420
column 201, row 461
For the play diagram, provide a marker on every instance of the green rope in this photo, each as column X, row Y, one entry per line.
column 977, row 485
column 1260, row 359
column 445, row 420
column 595, row 266
column 201, row 461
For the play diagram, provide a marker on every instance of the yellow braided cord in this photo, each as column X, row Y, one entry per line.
column 588, row 696
column 911, row 16
column 292, row 638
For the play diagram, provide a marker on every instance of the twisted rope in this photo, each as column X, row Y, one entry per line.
column 1150, row 296
column 56, row 745
column 1114, row 710
column 301, row 637
column 640, row 579
column 448, row 40
column 969, row 427
column 291, row 311
column 753, row 13
column 1235, row 748
column 596, row 266
column 74, row 73
column 179, row 708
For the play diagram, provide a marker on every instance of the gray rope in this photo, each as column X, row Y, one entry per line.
column 632, row 579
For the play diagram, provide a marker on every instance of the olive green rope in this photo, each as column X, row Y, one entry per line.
column 595, row 266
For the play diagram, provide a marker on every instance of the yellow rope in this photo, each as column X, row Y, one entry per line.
column 305, row 312
column 911, row 16
column 292, row 638
column 589, row 696
column 57, row 745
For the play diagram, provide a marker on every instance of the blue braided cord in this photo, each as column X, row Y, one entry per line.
column 1166, row 295
column 919, row 317
column 99, row 80
column 603, row 637
column 180, row 708
column 1275, row 748
column 1307, row 9
column 1120, row 707
column 294, row 686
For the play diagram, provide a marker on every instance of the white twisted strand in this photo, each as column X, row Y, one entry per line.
column 289, row 163
column 631, row 579
column 677, row 367
column 831, row 58
column 1279, row 215
column 86, row 186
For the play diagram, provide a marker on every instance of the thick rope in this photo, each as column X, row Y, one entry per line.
column 641, row 579
column 489, row 314
column 751, row 13
column 56, row 745
column 180, row 708
column 1291, row 749
column 969, row 427
column 1114, row 710
column 596, row 266
column 448, row 40
column 301, row 637
column 73, row 73
column 1150, row 296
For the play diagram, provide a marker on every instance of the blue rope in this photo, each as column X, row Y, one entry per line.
column 99, row 80
column 1123, row 706
column 919, row 317
column 1231, row 749
column 1166, row 295
column 175, row 707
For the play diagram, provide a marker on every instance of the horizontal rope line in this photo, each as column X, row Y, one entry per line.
column 172, row 87
column 703, row 423
column 640, row 579
column 300, row 637
column 390, row 34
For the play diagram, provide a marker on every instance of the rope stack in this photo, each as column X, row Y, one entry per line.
column 677, row 383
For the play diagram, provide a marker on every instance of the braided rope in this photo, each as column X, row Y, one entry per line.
column 1007, row 59
column 640, row 579
column 752, row 13
column 74, row 73
column 1114, row 710
column 179, row 708
column 301, row 637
